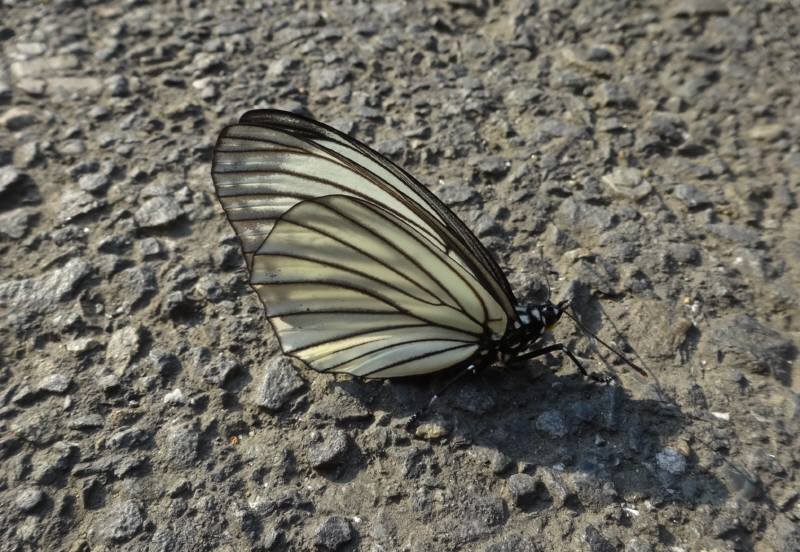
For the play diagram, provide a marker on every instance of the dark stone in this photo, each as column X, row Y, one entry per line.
column 228, row 257
column 477, row 516
column 167, row 364
column 596, row 542
column 590, row 488
column 333, row 533
column 552, row 423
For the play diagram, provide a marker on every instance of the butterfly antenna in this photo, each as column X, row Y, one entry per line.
column 544, row 272
column 622, row 357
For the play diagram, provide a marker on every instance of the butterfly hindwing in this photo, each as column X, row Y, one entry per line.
column 351, row 287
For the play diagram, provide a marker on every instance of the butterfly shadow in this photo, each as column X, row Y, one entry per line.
column 583, row 444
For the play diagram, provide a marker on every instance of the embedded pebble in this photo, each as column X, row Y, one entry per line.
column 333, row 533
column 671, row 461
column 43, row 293
column 121, row 522
column 54, row 383
column 280, row 382
column 523, row 489
column 552, row 423
column 28, row 499
column 156, row 212
column 122, row 348
column 329, row 451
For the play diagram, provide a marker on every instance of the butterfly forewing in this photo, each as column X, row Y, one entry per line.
column 352, row 287
column 273, row 160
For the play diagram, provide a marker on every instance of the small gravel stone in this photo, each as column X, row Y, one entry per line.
column 333, row 533
column 174, row 397
column 77, row 203
column 523, row 489
column 217, row 370
column 596, row 542
column 27, row 499
column 94, row 183
column 166, row 363
column 692, row 196
column 330, row 451
column 15, row 224
column 82, row 345
column 431, row 431
column 555, row 485
column 494, row 166
column 150, row 247
column 53, row 464
column 615, row 95
column 127, row 438
column 694, row 8
column 592, row 488
column 54, row 383
column 767, row 133
column 514, row 543
column 122, row 348
column 181, row 445
column 121, row 523
column 42, row 293
column 9, row 176
column 280, row 383
column 138, row 283
column 18, row 118
column 157, row 211
column 331, row 77
column 671, row 461
column 552, row 423
column 88, row 421
column 629, row 183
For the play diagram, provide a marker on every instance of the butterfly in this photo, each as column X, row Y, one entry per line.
column 360, row 268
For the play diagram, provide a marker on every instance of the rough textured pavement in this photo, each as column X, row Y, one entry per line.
column 646, row 151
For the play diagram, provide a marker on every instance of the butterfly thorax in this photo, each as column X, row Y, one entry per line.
column 534, row 320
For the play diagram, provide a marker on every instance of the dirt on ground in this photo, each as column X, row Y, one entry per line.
column 642, row 157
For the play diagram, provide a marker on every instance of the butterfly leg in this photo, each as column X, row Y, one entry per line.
column 600, row 378
column 471, row 369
